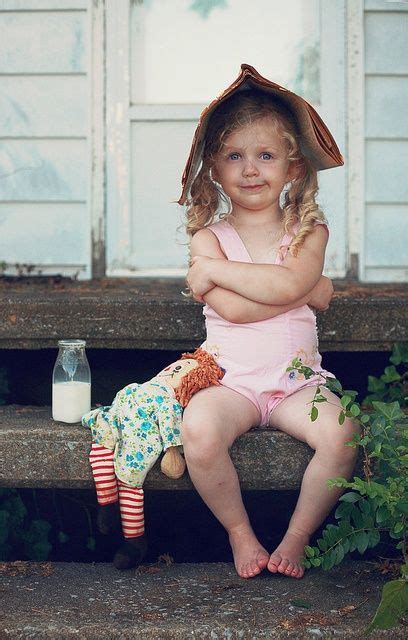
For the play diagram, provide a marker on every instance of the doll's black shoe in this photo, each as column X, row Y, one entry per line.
column 131, row 553
column 108, row 518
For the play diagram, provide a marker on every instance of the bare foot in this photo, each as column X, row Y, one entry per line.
column 287, row 558
column 250, row 557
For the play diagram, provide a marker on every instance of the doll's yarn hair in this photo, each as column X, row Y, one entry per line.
column 206, row 374
column 207, row 197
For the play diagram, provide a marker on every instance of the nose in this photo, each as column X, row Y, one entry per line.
column 249, row 168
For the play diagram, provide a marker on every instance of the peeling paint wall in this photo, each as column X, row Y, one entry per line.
column 386, row 140
column 44, row 175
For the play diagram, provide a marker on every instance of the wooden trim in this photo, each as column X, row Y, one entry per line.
column 97, row 137
column 166, row 112
column 355, row 135
column 118, row 209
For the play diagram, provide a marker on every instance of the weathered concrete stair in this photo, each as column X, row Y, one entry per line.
column 152, row 314
column 35, row 451
column 208, row 601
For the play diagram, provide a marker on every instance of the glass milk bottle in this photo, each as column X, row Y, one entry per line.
column 71, row 382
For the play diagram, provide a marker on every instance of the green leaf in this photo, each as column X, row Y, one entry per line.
column 373, row 538
column 402, row 505
column 364, row 507
column 322, row 544
column 334, row 385
column 315, row 562
column 314, row 414
column 345, row 401
column 342, row 417
column 390, row 410
column 390, row 375
column 375, row 385
column 355, row 410
column 309, row 551
column 62, row 537
column 399, row 354
column 382, row 514
column 350, row 497
column 299, row 602
column 361, row 541
column 339, row 553
column 343, row 510
column 365, row 418
column 39, row 551
column 398, row 527
column 393, row 605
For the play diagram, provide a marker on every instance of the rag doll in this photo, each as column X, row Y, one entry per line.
column 128, row 437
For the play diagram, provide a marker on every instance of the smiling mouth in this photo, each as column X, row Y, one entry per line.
column 252, row 187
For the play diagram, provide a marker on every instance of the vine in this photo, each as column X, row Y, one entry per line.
column 376, row 504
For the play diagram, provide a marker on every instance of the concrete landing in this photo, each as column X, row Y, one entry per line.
column 59, row 601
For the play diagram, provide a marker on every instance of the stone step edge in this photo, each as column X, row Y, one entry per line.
column 202, row 601
column 36, row 452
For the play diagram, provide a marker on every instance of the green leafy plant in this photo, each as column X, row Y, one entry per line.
column 18, row 531
column 375, row 505
column 393, row 383
column 24, row 534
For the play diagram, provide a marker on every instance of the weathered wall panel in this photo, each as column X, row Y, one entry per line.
column 386, row 171
column 386, row 141
column 386, row 106
column 44, row 233
column 387, row 233
column 43, row 42
column 44, row 129
column 43, row 170
column 386, row 36
column 43, row 106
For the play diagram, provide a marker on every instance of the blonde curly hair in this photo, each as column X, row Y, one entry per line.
column 299, row 208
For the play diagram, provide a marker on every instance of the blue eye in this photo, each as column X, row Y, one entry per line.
column 266, row 156
column 233, row 156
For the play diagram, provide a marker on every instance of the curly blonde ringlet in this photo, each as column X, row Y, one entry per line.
column 299, row 208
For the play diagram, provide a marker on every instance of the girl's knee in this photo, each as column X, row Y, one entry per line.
column 201, row 442
column 336, row 446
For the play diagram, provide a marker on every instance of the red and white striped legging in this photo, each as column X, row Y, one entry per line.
column 109, row 490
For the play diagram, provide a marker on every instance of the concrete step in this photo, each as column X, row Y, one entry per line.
column 35, row 452
column 152, row 314
column 205, row 601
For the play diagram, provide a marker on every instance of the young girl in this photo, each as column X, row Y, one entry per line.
column 256, row 269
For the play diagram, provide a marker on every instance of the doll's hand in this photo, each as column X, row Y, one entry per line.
column 198, row 276
column 321, row 295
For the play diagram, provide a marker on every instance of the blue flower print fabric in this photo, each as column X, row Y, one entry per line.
column 143, row 420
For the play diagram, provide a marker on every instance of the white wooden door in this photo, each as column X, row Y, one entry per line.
column 166, row 59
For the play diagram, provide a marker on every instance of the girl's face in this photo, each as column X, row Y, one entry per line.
column 252, row 167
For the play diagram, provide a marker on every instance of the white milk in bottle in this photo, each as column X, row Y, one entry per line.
column 71, row 382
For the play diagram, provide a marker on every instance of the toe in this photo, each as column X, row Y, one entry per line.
column 283, row 565
column 289, row 569
column 262, row 561
column 274, row 562
column 301, row 572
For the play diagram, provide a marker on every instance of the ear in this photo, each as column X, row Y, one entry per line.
column 293, row 171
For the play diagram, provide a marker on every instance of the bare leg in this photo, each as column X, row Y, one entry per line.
column 331, row 459
column 213, row 419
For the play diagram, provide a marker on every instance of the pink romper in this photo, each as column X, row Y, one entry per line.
column 255, row 355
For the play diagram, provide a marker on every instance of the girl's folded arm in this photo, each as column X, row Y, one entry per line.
column 265, row 283
column 228, row 304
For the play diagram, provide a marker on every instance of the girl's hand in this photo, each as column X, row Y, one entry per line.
column 321, row 295
column 198, row 277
